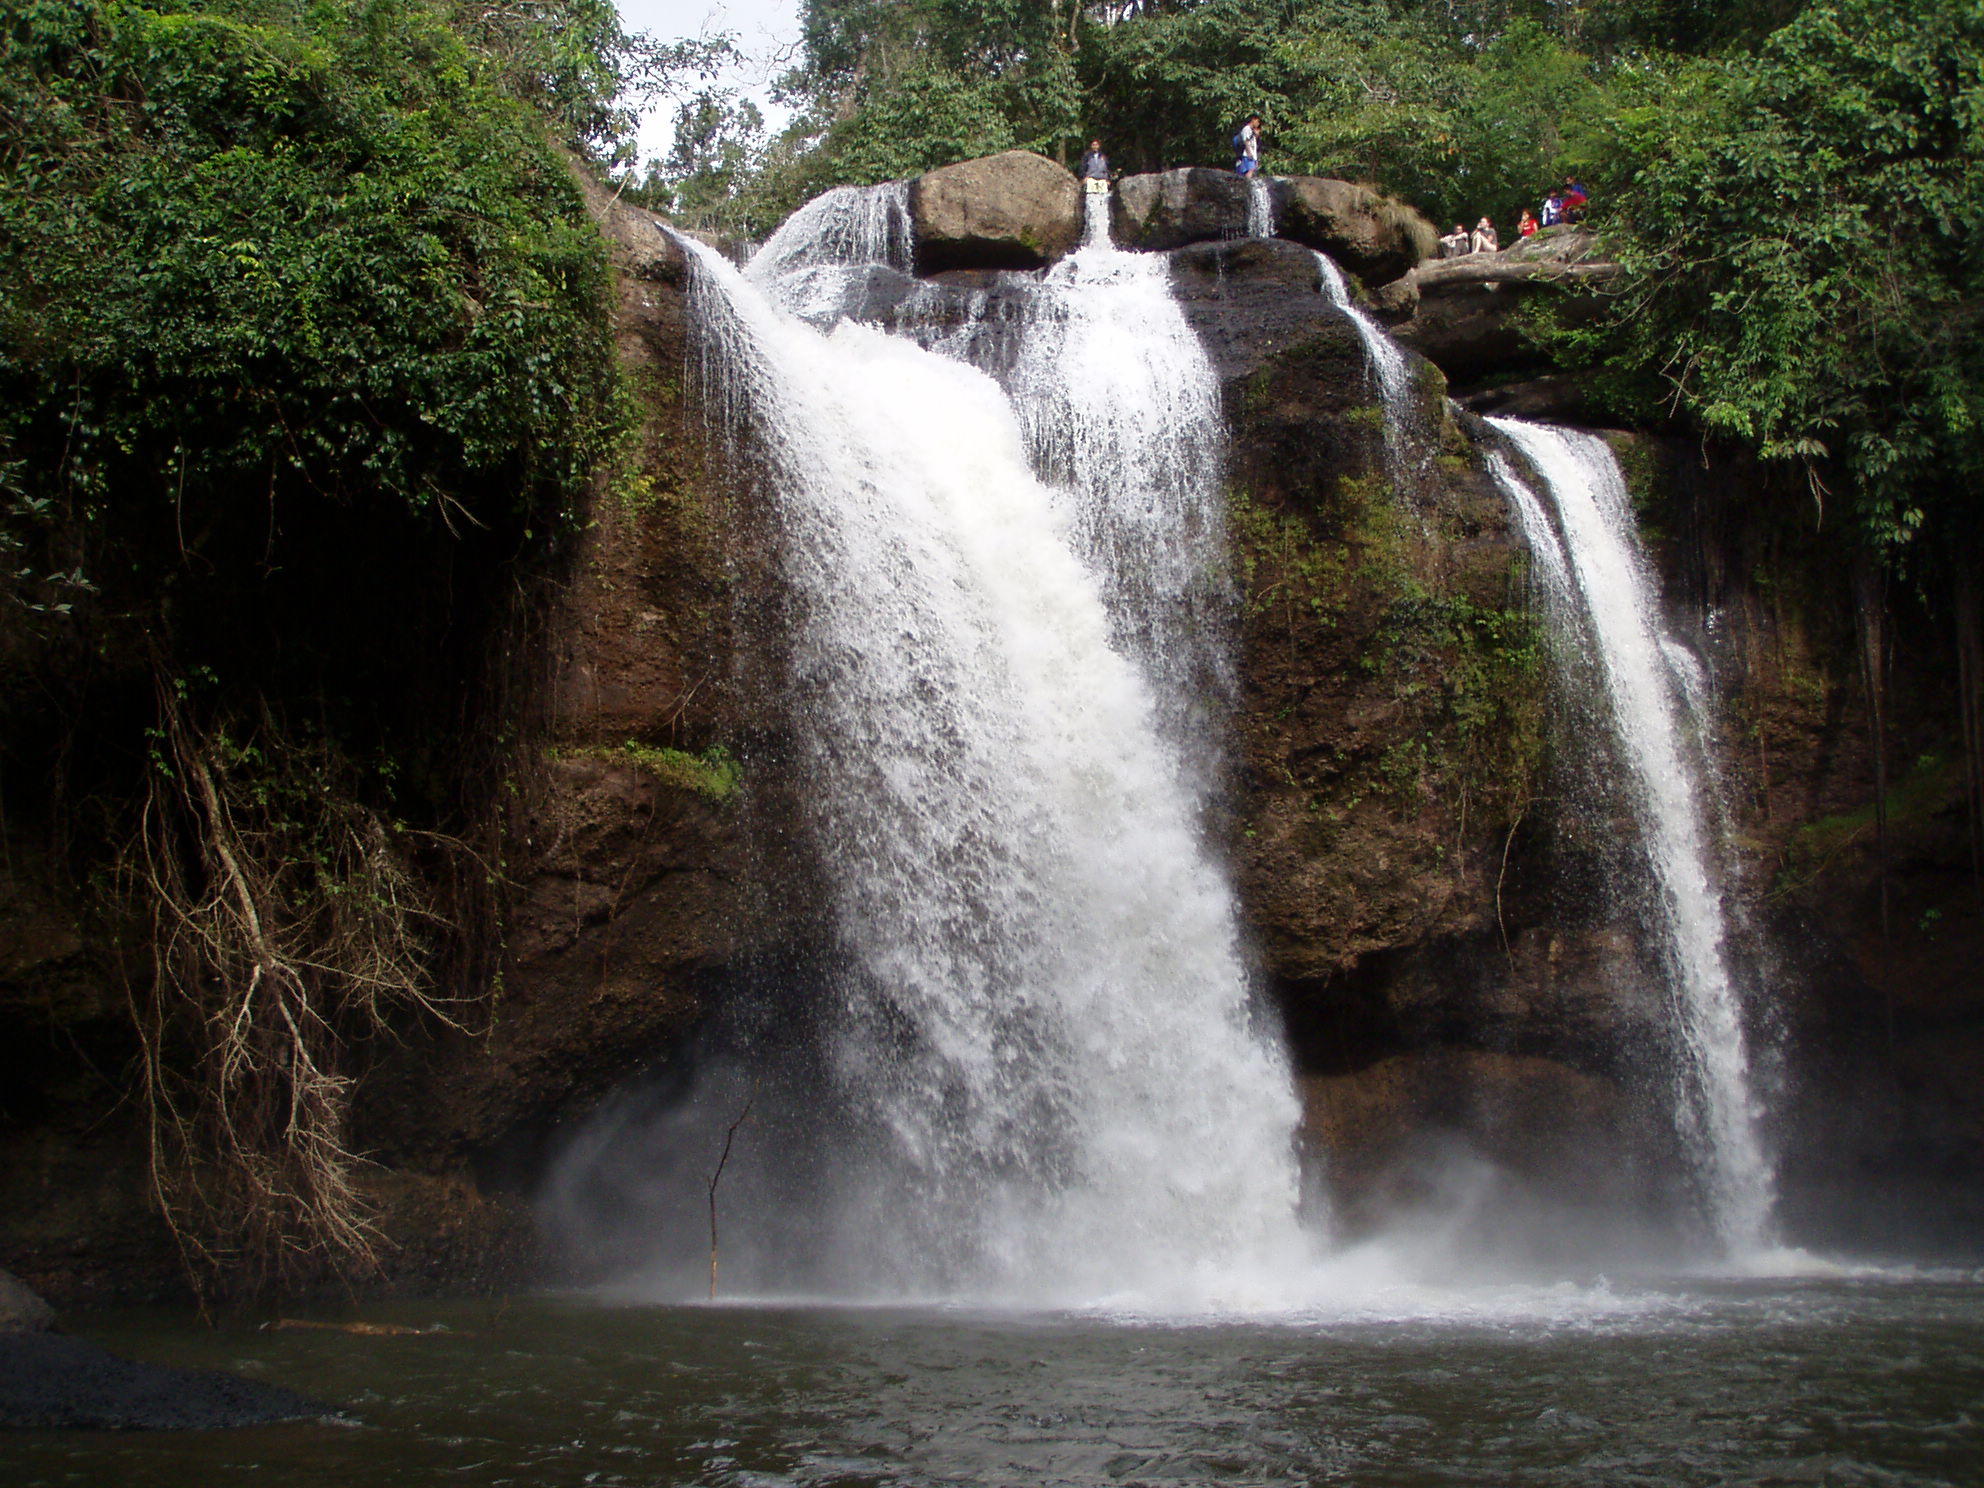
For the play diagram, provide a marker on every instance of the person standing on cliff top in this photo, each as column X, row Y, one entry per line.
column 1095, row 169
column 1247, row 147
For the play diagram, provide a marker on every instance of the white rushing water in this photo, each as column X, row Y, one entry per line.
column 1598, row 589
column 1260, row 207
column 814, row 251
column 1382, row 354
column 1120, row 406
column 1045, row 1028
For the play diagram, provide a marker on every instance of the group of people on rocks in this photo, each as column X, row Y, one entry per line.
column 1566, row 204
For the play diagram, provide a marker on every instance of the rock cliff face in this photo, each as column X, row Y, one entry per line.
column 1457, row 998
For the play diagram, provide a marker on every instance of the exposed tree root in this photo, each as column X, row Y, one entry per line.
column 284, row 926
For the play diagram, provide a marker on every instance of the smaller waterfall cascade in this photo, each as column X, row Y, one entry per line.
column 1387, row 361
column 1600, row 596
column 1260, row 207
column 1095, row 218
column 1043, row 1027
column 834, row 236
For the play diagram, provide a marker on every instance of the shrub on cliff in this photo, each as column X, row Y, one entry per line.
column 304, row 350
column 262, row 251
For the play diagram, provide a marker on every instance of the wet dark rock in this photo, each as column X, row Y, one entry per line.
column 21, row 1308
column 1250, row 298
column 1557, row 398
column 49, row 1382
column 1372, row 236
column 1017, row 210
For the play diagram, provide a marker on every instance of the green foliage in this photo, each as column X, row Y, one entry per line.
column 715, row 774
column 1803, row 224
column 255, row 253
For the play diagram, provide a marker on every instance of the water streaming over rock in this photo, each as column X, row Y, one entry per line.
column 1384, row 356
column 1601, row 598
column 1260, row 206
column 814, row 251
column 1044, row 1024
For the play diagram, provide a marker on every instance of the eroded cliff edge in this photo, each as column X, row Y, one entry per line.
column 1418, row 901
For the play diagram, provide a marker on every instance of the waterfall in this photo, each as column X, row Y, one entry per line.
column 1382, row 354
column 816, row 250
column 1095, row 218
column 1601, row 597
column 1260, row 206
column 1042, row 1025
column 1120, row 406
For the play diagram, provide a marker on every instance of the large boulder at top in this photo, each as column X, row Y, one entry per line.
column 1374, row 237
column 1195, row 204
column 1469, row 314
column 1012, row 211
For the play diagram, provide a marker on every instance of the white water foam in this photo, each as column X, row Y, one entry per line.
column 809, row 260
column 1120, row 405
column 1260, row 207
column 1598, row 591
column 1044, row 1020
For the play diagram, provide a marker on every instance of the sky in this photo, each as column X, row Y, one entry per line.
column 766, row 31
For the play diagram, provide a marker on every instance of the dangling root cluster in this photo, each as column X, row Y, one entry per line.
column 284, row 927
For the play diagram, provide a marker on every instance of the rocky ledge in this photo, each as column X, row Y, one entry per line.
column 1019, row 210
column 1475, row 315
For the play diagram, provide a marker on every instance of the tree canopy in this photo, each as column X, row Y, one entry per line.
column 1795, row 186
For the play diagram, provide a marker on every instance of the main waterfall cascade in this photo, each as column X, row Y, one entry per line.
column 1033, row 1066
column 1043, row 1026
column 1600, row 597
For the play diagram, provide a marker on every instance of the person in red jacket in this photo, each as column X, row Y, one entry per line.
column 1576, row 199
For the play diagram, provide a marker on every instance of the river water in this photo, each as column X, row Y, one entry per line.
column 1868, row 1380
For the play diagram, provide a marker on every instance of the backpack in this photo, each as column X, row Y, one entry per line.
column 1240, row 141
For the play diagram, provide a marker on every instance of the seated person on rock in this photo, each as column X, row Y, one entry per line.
column 1456, row 244
column 1526, row 224
column 1553, row 210
column 1576, row 199
column 1485, row 240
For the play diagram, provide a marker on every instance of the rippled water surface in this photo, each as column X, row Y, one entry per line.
column 1862, row 1382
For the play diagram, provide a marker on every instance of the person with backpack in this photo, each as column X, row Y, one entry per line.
column 1553, row 209
column 1247, row 147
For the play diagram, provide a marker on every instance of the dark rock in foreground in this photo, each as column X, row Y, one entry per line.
column 49, row 1382
column 21, row 1308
